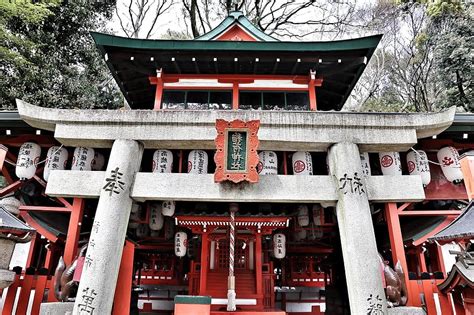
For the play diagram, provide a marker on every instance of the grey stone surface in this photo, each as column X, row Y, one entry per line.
column 406, row 310
column 6, row 278
column 99, row 276
column 359, row 249
column 278, row 188
column 57, row 308
column 6, row 251
column 280, row 130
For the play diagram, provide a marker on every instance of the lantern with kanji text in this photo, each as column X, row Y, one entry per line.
column 56, row 159
column 180, row 244
column 448, row 158
column 28, row 158
column 279, row 245
column 197, row 162
column 302, row 163
column 82, row 159
column 156, row 217
column 390, row 163
column 418, row 165
column 162, row 161
column 268, row 163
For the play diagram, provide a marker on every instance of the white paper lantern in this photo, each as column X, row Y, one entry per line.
column 268, row 163
column 142, row 231
column 135, row 215
column 168, row 208
column 300, row 235
column 156, row 217
column 180, row 244
column 98, row 162
column 390, row 163
column 418, row 165
column 279, row 245
column 448, row 157
column 82, row 159
column 162, row 161
column 318, row 215
column 11, row 204
column 28, row 158
column 365, row 163
column 197, row 162
column 303, row 216
column 302, row 163
column 56, row 159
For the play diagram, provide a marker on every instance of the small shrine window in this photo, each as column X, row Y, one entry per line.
column 174, row 100
column 273, row 100
column 197, row 100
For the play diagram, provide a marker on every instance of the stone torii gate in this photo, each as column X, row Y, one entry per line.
column 343, row 135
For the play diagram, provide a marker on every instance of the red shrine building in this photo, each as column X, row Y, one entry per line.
column 234, row 183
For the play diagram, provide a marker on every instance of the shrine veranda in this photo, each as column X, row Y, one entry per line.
column 235, row 177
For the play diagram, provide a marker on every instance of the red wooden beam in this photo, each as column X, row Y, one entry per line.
column 42, row 208
column 159, row 89
column 40, row 287
column 17, row 141
column 430, row 213
column 11, row 188
column 24, row 296
column 41, row 230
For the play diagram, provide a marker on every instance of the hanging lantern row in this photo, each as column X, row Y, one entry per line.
column 418, row 164
column 303, row 215
column 84, row 159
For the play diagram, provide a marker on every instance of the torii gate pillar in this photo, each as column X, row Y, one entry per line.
column 359, row 249
column 102, row 262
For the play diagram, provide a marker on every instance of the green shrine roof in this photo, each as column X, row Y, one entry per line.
column 340, row 63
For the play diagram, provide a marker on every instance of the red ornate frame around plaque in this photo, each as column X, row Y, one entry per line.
column 249, row 173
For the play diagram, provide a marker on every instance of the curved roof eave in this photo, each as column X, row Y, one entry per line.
column 106, row 40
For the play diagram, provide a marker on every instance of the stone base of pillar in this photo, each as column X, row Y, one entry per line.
column 6, row 278
column 406, row 310
column 57, row 308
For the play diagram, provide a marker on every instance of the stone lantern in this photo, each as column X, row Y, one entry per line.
column 12, row 231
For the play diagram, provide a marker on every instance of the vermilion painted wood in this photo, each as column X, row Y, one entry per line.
column 430, row 213
column 235, row 96
column 73, row 231
column 31, row 251
column 236, row 33
column 429, row 297
column 204, row 263
column 50, row 286
column 40, row 287
column 396, row 241
column 250, row 174
column 447, row 221
column 47, row 209
column 123, row 292
column 10, row 298
column 53, row 238
column 24, row 296
column 258, row 264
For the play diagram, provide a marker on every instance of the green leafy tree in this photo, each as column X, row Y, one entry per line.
column 48, row 58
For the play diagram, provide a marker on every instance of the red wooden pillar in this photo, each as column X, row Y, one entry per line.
column 258, row 268
column 123, row 292
column 10, row 297
column 40, row 287
column 396, row 241
column 204, row 263
column 74, row 230
column 422, row 260
column 159, row 89
column 312, row 91
column 24, row 296
column 235, row 96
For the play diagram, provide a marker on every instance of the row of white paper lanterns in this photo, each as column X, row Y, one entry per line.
column 418, row 164
column 84, row 159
